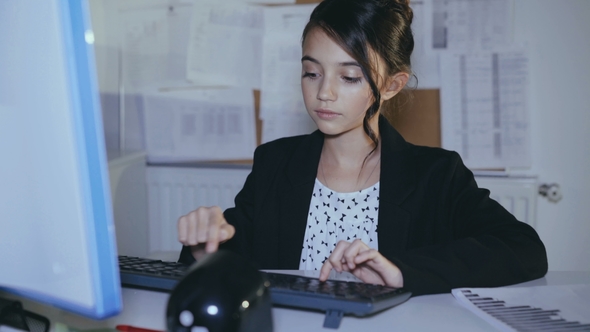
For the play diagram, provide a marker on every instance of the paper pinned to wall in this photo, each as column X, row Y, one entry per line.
column 466, row 25
column 155, row 42
column 424, row 60
column 281, row 103
column 281, row 75
column 282, row 109
column 287, row 19
column 179, row 23
column 484, row 114
column 144, row 46
column 199, row 124
column 225, row 44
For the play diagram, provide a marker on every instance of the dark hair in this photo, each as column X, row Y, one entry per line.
column 359, row 25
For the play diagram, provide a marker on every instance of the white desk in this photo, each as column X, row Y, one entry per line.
column 423, row 313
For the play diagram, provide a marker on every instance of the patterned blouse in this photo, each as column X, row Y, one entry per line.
column 335, row 216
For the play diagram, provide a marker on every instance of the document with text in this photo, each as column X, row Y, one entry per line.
column 199, row 124
column 484, row 114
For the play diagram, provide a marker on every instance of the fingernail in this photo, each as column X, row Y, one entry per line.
column 222, row 235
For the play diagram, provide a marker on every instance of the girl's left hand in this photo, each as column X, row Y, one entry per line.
column 365, row 263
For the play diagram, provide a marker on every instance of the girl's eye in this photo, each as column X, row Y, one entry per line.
column 352, row 80
column 310, row 75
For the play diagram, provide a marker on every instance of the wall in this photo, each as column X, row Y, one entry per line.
column 557, row 35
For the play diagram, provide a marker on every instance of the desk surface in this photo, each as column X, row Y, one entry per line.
column 422, row 313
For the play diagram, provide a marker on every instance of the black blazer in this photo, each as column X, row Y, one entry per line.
column 435, row 224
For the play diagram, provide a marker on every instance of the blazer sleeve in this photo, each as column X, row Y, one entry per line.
column 485, row 245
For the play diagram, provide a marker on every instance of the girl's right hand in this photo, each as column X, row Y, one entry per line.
column 203, row 230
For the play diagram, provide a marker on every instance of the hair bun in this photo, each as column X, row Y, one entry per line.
column 404, row 9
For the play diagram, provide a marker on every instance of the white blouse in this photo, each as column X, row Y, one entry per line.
column 335, row 216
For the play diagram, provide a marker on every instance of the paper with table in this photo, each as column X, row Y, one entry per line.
column 199, row 124
column 484, row 82
column 547, row 308
column 484, row 114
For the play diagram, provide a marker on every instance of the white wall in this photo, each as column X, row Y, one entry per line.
column 559, row 99
column 557, row 35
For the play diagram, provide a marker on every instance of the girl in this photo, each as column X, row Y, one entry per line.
column 354, row 196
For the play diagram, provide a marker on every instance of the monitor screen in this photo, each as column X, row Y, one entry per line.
column 57, row 237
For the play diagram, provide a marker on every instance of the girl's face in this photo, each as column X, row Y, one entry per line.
column 335, row 92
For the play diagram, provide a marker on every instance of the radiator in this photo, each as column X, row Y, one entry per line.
column 518, row 195
column 175, row 191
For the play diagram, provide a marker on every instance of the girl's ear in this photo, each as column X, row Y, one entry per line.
column 394, row 85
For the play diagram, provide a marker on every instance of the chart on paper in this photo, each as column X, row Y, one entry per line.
column 540, row 308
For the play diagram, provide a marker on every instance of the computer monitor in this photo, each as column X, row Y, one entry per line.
column 57, row 236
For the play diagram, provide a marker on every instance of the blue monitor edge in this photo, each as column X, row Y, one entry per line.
column 99, row 246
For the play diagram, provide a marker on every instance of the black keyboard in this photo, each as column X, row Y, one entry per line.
column 150, row 274
column 335, row 297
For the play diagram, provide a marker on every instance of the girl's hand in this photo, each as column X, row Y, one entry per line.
column 203, row 230
column 365, row 263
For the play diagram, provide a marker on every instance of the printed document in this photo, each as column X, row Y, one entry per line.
column 484, row 115
column 424, row 59
column 225, row 44
column 466, row 25
column 199, row 124
column 538, row 308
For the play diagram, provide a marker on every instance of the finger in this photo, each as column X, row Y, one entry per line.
column 215, row 210
column 226, row 232
column 384, row 268
column 325, row 270
column 370, row 256
column 337, row 255
column 182, row 228
column 345, row 268
column 191, row 228
column 216, row 220
column 352, row 251
column 198, row 251
column 202, row 224
column 212, row 235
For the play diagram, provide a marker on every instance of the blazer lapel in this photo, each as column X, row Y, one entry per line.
column 295, row 199
column 397, row 181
